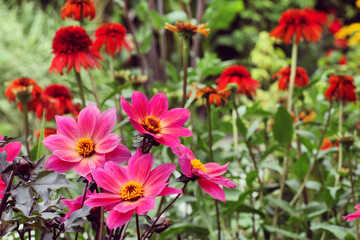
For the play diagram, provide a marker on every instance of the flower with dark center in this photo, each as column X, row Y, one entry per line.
column 301, row 77
column 187, row 30
column 341, row 88
column 78, row 9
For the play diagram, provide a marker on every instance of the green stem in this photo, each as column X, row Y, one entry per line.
column 94, row 88
column 81, row 88
column 137, row 226
column 340, row 160
column 185, row 66
column 26, row 125
column 208, row 108
column 292, row 74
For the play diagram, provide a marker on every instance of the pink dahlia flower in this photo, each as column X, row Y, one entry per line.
column 153, row 118
column 2, row 188
column 12, row 149
column 207, row 175
column 85, row 145
column 354, row 215
column 131, row 188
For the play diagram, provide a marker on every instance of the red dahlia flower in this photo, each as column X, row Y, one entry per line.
column 57, row 100
column 72, row 9
column 341, row 88
column 72, row 48
column 24, row 87
column 297, row 22
column 131, row 188
column 153, row 118
column 207, row 175
column 301, row 77
column 113, row 36
column 239, row 75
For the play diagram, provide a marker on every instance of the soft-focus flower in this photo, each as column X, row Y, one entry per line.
column 354, row 215
column 12, row 149
column 85, row 145
column 298, row 23
column 207, row 175
column 153, row 118
column 341, row 88
column 73, row 48
column 301, row 78
column 113, row 36
column 131, row 188
column 357, row 4
column 307, row 116
column 24, row 89
column 239, row 75
column 320, row 17
column 339, row 57
column 351, row 33
column 47, row 132
column 213, row 95
column 187, row 29
column 72, row 9
column 57, row 100
column 335, row 26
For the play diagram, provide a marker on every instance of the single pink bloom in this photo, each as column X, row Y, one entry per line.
column 153, row 118
column 85, row 145
column 207, row 175
column 2, row 188
column 131, row 188
column 354, row 215
column 12, row 149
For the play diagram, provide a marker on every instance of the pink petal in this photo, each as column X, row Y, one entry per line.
column 68, row 127
column 188, row 152
column 140, row 104
column 158, row 105
column 107, row 144
column 68, row 155
column 119, row 155
column 106, row 180
column 212, row 189
column 144, row 205
column 168, row 140
column 352, row 216
column 139, row 167
column 178, row 151
column 53, row 163
column 119, row 173
column 116, row 219
column 175, row 117
column 12, row 150
column 87, row 164
column 87, row 120
column 160, row 174
column 104, row 125
column 59, row 142
column 102, row 199
column 177, row 131
column 128, row 109
column 154, row 190
column 126, row 206
column 137, row 126
column 214, row 169
column 170, row 191
column 185, row 165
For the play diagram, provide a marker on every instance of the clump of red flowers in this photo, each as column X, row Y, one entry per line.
column 301, row 77
column 341, row 88
column 57, row 100
column 24, row 90
column 47, row 132
column 73, row 48
column 299, row 23
column 113, row 36
column 240, row 76
column 73, row 8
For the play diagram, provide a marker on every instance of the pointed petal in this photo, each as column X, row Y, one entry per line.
column 214, row 169
column 119, row 155
column 12, row 150
column 104, row 125
column 139, row 167
column 158, row 105
column 53, row 163
column 144, row 205
column 68, row 127
column 175, row 117
column 168, row 140
column 160, row 174
column 212, row 189
column 125, row 206
column 140, row 104
column 170, row 191
column 106, row 180
column 59, row 142
column 68, row 155
column 116, row 219
column 87, row 120
column 107, row 143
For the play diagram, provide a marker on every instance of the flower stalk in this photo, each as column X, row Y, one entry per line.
column 340, row 160
column 294, row 53
column 81, row 88
column 93, row 84
column 26, row 124
column 185, row 50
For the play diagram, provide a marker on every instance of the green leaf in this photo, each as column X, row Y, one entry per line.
column 288, row 234
column 114, row 92
column 283, row 205
column 253, row 128
column 283, row 126
column 301, row 166
column 251, row 176
column 339, row 232
column 41, row 148
column 192, row 229
column 241, row 126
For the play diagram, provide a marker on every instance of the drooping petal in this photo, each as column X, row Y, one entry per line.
column 116, row 219
column 12, row 150
column 104, row 125
column 102, row 199
column 212, row 189
column 168, row 140
column 144, row 205
column 53, row 163
column 68, row 127
column 87, row 164
column 87, row 120
column 107, row 143
column 119, row 155
column 185, row 165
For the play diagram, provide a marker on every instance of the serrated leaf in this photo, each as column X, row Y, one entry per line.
column 283, row 126
column 75, row 216
column 24, row 197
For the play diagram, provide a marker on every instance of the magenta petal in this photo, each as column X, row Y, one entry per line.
column 178, row 151
column 158, row 105
column 140, row 104
column 68, row 155
column 128, row 109
column 214, row 169
column 116, row 219
column 223, row 181
column 139, row 167
column 144, row 205
column 87, row 120
column 160, row 174
column 352, row 216
column 188, row 152
column 53, row 163
column 107, row 144
column 68, row 127
column 12, row 150
column 87, row 164
column 169, row 191
column 154, row 190
column 104, row 125
column 119, row 155
column 119, row 173
column 105, row 179
column 175, row 117
column 177, row 131
column 102, row 199
column 126, row 206
column 168, row 140
column 185, row 165
column 212, row 189
column 59, row 142
column 137, row 126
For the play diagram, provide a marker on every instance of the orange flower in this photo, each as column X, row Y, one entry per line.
column 326, row 144
column 187, row 29
column 307, row 116
column 213, row 95
column 72, row 9
column 24, row 89
column 47, row 132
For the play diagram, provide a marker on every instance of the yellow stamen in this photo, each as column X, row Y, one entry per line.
column 85, row 146
column 197, row 164
column 132, row 191
column 151, row 124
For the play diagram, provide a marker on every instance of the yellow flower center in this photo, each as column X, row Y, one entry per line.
column 151, row 124
column 197, row 164
column 85, row 146
column 132, row 191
